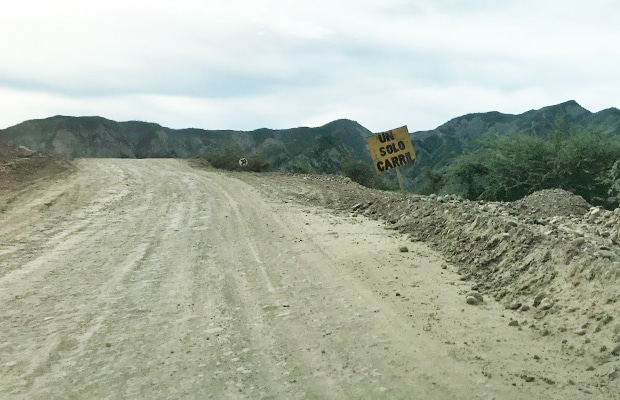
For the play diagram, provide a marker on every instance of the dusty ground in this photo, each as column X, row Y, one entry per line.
column 22, row 168
column 153, row 279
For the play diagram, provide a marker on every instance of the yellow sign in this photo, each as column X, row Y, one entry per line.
column 391, row 149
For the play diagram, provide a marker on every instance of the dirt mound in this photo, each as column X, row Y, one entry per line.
column 550, row 255
column 21, row 167
column 553, row 203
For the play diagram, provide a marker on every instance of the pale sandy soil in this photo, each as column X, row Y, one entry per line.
column 149, row 279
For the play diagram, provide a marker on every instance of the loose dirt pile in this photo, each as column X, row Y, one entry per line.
column 21, row 167
column 550, row 255
column 552, row 203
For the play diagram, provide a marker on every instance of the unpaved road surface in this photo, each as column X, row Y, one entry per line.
column 149, row 279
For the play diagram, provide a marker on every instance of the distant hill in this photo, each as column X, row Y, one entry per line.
column 459, row 134
column 313, row 150
column 437, row 148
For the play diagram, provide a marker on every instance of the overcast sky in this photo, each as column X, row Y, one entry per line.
column 243, row 64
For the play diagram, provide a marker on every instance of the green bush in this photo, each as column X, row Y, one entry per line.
column 612, row 181
column 365, row 175
column 435, row 181
column 508, row 168
column 358, row 172
column 256, row 164
column 228, row 158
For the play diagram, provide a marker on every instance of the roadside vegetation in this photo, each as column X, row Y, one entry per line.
column 228, row 158
column 359, row 171
column 364, row 174
column 499, row 168
column 508, row 168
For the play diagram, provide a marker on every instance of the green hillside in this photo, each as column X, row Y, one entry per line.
column 339, row 147
column 323, row 149
column 439, row 148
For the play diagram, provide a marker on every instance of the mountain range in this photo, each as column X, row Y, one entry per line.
column 310, row 150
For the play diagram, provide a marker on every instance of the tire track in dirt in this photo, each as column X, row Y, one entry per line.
column 322, row 345
column 247, row 359
column 70, row 250
column 249, row 240
column 151, row 279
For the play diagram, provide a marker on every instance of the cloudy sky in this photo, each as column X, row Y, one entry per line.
column 247, row 64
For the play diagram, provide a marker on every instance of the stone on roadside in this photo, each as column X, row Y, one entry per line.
column 539, row 297
column 477, row 296
column 545, row 304
column 527, row 378
column 515, row 305
column 609, row 255
column 595, row 211
column 471, row 300
column 25, row 152
column 578, row 242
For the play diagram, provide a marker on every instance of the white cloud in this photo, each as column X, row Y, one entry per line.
column 243, row 64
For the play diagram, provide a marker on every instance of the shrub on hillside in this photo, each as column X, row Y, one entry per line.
column 508, row 168
column 358, row 172
column 365, row 175
column 228, row 159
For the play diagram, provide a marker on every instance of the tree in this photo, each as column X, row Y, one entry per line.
column 612, row 181
column 435, row 181
column 358, row 172
column 467, row 176
column 559, row 132
column 365, row 175
column 508, row 168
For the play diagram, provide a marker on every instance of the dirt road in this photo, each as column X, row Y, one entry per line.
column 149, row 279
